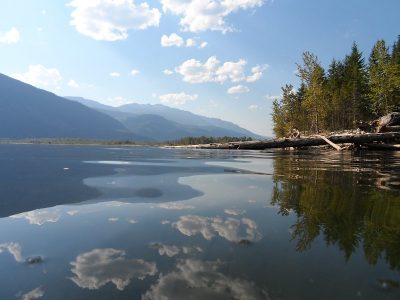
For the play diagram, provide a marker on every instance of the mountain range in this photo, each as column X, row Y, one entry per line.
column 29, row 112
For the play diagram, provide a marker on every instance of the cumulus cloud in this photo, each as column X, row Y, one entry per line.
column 168, row 72
column 202, row 280
column 72, row 83
column 273, row 97
column 256, row 73
column 39, row 217
column 135, row 72
column 14, row 249
column 34, row 294
column 98, row 267
column 110, row 20
column 203, row 45
column 200, row 15
column 175, row 40
column 253, row 106
column 238, row 89
column 226, row 228
column 115, row 74
column 172, row 40
column 39, row 75
column 190, row 43
column 194, row 71
column 10, row 37
column 177, row 98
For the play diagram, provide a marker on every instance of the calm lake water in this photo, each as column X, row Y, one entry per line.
column 147, row 223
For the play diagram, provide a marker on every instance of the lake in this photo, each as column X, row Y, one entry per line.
column 96, row 222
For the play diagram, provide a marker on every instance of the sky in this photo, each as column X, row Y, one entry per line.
column 219, row 58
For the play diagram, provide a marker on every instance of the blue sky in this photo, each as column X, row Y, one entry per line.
column 224, row 59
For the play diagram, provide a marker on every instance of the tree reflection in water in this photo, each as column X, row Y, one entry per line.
column 340, row 197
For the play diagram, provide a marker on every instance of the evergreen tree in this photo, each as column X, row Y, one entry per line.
column 312, row 75
column 356, row 85
column 278, row 118
column 336, row 96
column 379, row 79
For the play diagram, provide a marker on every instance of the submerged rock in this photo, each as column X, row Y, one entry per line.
column 34, row 260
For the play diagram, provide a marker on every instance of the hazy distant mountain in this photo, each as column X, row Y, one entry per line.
column 165, row 123
column 29, row 112
column 184, row 117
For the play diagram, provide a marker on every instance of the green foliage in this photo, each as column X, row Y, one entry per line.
column 349, row 91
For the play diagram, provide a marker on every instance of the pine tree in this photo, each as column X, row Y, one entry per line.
column 278, row 118
column 336, row 96
column 356, row 85
column 383, row 79
column 312, row 74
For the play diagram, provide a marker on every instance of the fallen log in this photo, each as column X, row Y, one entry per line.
column 337, row 147
column 305, row 141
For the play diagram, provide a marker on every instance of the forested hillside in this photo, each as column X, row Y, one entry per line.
column 350, row 90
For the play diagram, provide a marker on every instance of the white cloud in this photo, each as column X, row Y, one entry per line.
column 272, row 97
column 190, row 43
column 72, row 83
column 253, row 106
column 39, row 75
column 14, row 249
column 257, row 73
column 115, row 74
column 202, row 280
column 135, row 72
column 172, row 40
column 177, row 98
column 203, row 45
column 228, row 229
column 194, row 71
column 200, row 15
column 39, row 217
column 34, row 294
column 98, row 267
column 233, row 71
column 110, row 20
column 10, row 37
column 168, row 72
column 239, row 89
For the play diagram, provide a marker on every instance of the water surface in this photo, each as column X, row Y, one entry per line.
column 147, row 223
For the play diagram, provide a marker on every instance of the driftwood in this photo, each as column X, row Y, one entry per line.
column 337, row 147
column 364, row 138
column 386, row 123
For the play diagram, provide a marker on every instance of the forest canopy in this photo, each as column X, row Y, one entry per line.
column 350, row 90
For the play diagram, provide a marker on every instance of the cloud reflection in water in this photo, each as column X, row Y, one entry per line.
column 14, row 249
column 208, row 227
column 96, row 268
column 202, row 280
column 34, row 294
column 39, row 217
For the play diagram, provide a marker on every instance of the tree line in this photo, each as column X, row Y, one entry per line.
column 193, row 140
column 350, row 90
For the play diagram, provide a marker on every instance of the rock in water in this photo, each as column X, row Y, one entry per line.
column 34, row 260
